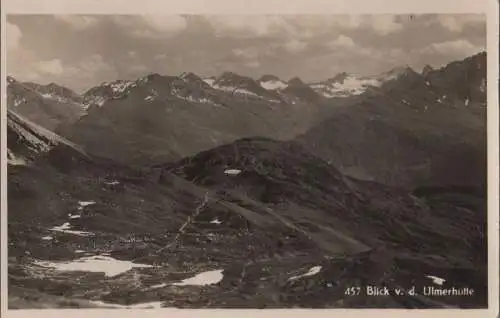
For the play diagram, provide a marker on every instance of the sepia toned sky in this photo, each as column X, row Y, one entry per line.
column 83, row 51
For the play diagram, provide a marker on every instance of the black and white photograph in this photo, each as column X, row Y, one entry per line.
column 204, row 161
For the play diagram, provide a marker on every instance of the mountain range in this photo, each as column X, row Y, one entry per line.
column 293, row 191
column 382, row 122
column 412, row 131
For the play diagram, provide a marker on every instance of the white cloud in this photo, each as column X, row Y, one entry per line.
column 310, row 25
column 248, row 25
column 31, row 76
column 450, row 23
column 165, row 23
column 248, row 53
column 342, row 42
column 302, row 26
column 351, row 21
column 138, row 68
column 94, row 63
column 145, row 33
column 384, row 24
column 14, row 35
column 457, row 48
column 78, row 74
column 238, row 52
column 315, row 23
column 456, row 23
column 292, row 26
column 392, row 54
column 344, row 46
column 295, row 46
column 88, row 68
column 305, row 26
column 84, row 73
column 396, row 53
column 160, row 57
column 50, row 67
column 78, row 22
column 252, row 64
column 19, row 59
column 151, row 26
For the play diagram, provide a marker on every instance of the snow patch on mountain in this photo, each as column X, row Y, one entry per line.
column 108, row 90
column 66, row 228
column 203, row 279
column 149, row 305
column 99, row 264
column 238, row 91
column 216, row 221
column 14, row 160
column 436, row 280
column 120, row 87
column 232, row 172
column 482, row 87
column 209, row 81
column 312, row 271
column 86, row 203
column 193, row 99
column 152, row 96
column 20, row 93
column 99, row 100
column 235, row 90
column 273, row 85
column 350, row 85
column 57, row 98
column 114, row 182
column 20, row 101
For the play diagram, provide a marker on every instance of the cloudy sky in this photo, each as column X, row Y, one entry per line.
column 83, row 51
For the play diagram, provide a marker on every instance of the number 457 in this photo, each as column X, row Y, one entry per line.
column 352, row 291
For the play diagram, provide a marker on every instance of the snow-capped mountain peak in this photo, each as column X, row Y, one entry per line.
column 50, row 91
column 236, row 84
column 121, row 86
column 396, row 73
column 272, row 83
column 49, row 105
column 108, row 90
column 344, row 85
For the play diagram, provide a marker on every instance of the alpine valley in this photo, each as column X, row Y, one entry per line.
column 234, row 192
